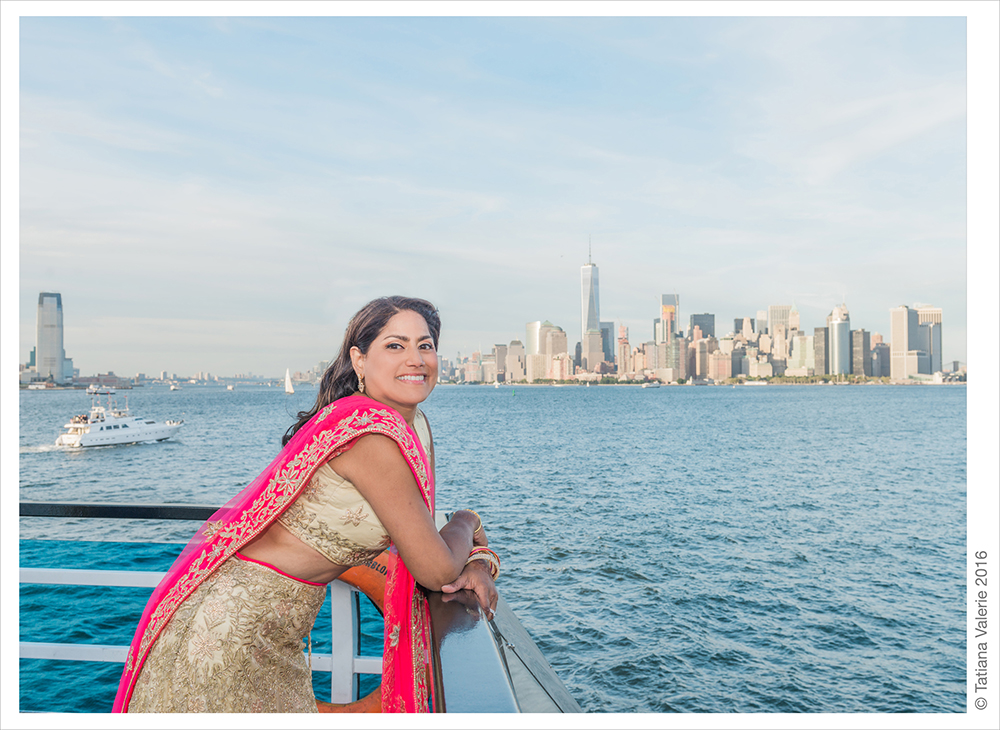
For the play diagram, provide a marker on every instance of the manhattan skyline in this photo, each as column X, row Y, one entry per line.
column 236, row 204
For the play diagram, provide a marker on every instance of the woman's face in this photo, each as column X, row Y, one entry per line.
column 400, row 368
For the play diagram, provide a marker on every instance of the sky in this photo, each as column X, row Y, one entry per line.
column 221, row 194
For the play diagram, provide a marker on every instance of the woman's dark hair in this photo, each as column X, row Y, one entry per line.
column 340, row 380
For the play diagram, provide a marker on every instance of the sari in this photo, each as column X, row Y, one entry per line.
column 331, row 432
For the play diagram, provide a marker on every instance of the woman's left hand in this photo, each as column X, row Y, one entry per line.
column 476, row 578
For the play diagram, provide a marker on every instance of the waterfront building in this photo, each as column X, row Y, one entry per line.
column 578, row 355
column 881, row 360
column 903, row 337
column 515, row 365
column 50, row 358
column 535, row 367
column 489, row 368
column 760, row 367
column 561, row 367
column 720, row 365
column 590, row 300
column 703, row 348
column 929, row 335
column 802, row 357
column 821, row 350
column 861, row 363
column 838, row 325
column 623, row 354
column 676, row 360
column 500, row 358
column 706, row 322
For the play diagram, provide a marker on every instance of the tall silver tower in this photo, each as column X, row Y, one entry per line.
column 590, row 299
column 49, row 352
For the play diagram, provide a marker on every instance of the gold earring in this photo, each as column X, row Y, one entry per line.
column 361, row 384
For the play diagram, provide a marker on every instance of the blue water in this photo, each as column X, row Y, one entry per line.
column 769, row 549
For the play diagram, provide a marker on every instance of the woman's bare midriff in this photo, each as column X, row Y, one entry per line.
column 280, row 548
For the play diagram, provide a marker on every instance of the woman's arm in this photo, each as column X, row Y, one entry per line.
column 376, row 467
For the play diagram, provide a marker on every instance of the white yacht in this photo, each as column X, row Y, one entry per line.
column 111, row 426
column 651, row 384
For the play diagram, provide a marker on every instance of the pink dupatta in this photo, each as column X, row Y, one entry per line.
column 329, row 433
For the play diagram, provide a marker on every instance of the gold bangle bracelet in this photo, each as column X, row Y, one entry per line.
column 483, row 549
column 479, row 528
column 487, row 558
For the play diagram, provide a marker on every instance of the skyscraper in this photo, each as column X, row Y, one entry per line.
column 590, row 300
column 608, row 341
column 838, row 325
column 50, row 357
column 706, row 322
column 778, row 316
column 903, row 334
column 665, row 327
column 533, row 342
column 929, row 335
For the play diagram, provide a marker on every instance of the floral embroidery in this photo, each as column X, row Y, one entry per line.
column 203, row 646
column 211, row 528
column 394, row 636
column 355, row 517
column 215, row 611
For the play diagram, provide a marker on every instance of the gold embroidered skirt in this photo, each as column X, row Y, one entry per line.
column 235, row 645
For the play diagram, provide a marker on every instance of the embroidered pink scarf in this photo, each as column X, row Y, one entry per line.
column 331, row 432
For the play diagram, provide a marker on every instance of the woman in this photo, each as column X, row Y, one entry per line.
column 224, row 630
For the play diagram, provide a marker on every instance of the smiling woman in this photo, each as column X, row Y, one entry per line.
column 223, row 632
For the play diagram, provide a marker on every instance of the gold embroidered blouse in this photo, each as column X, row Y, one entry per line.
column 333, row 518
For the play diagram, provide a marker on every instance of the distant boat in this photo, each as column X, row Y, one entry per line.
column 651, row 384
column 111, row 426
column 288, row 383
column 174, row 386
column 230, row 387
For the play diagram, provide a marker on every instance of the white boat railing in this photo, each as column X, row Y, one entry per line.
column 477, row 665
column 345, row 662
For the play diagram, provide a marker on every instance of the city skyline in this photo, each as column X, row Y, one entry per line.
column 234, row 252
column 920, row 332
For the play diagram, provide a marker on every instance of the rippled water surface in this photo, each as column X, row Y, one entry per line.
column 770, row 549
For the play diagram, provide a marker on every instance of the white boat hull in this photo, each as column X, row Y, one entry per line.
column 113, row 427
column 133, row 435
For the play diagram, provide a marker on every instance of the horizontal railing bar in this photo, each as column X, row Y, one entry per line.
column 105, row 653
column 197, row 512
column 74, row 577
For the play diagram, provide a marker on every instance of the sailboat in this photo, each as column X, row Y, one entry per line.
column 288, row 383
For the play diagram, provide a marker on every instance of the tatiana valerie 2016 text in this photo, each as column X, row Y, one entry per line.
column 979, row 616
